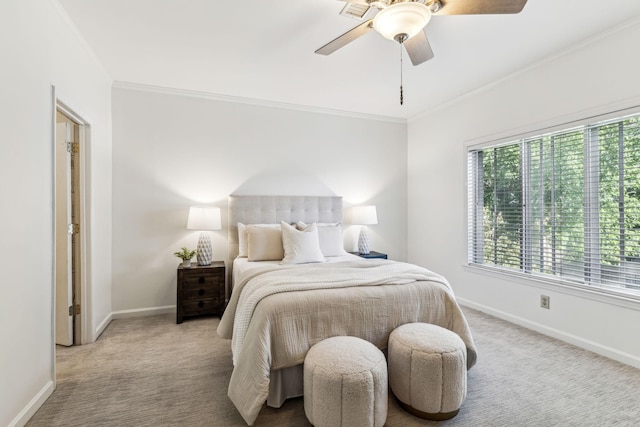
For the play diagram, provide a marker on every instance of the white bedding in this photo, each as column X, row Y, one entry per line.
column 242, row 266
column 277, row 312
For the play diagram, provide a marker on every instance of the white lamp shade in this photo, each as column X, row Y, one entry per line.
column 364, row 215
column 204, row 218
column 401, row 18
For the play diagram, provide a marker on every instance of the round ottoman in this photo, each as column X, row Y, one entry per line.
column 345, row 383
column 428, row 370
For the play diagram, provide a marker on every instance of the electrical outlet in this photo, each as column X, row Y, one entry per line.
column 545, row 301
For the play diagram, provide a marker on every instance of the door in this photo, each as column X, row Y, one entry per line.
column 64, row 234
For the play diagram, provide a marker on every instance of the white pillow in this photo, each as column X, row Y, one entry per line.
column 330, row 237
column 264, row 243
column 300, row 247
column 242, row 236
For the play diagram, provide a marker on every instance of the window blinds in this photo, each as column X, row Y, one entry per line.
column 564, row 204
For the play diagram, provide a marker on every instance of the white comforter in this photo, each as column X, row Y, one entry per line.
column 276, row 313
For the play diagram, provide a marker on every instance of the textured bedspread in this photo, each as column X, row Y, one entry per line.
column 277, row 313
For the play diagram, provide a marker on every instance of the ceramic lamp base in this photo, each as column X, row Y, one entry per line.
column 204, row 248
column 363, row 241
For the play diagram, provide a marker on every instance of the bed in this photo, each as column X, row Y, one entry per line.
column 277, row 311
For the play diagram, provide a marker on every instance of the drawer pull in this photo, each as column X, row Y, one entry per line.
column 201, row 292
column 200, row 279
column 200, row 304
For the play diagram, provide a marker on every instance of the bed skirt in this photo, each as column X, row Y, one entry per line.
column 284, row 384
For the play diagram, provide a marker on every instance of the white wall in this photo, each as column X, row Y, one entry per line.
column 38, row 50
column 597, row 77
column 171, row 151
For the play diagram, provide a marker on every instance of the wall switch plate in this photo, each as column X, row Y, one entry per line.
column 545, row 301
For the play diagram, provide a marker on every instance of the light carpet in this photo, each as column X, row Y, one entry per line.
column 151, row 372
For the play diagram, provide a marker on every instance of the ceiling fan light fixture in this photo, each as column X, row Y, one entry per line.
column 399, row 19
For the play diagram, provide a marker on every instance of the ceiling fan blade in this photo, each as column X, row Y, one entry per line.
column 346, row 38
column 418, row 48
column 478, row 7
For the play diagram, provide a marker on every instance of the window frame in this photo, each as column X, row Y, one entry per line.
column 582, row 287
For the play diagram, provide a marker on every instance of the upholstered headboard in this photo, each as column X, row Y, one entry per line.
column 273, row 209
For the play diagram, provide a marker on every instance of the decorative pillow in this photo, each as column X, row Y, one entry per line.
column 242, row 236
column 330, row 237
column 300, row 247
column 264, row 243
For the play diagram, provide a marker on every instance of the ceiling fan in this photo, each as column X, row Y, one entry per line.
column 404, row 20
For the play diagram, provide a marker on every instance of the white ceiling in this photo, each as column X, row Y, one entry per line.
column 264, row 50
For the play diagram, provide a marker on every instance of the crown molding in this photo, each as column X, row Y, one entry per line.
column 251, row 101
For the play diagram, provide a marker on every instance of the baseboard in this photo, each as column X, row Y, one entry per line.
column 605, row 351
column 137, row 312
column 38, row 400
column 35, row 404
column 142, row 312
column 102, row 326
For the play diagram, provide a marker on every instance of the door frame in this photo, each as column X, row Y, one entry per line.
column 85, row 336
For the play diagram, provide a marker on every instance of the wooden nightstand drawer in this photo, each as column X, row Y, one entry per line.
column 197, row 307
column 193, row 281
column 200, row 290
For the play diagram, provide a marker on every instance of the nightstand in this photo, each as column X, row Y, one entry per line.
column 372, row 254
column 200, row 290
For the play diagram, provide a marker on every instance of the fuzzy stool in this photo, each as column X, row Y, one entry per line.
column 428, row 370
column 345, row 383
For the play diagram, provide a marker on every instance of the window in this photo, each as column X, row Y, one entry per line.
column 564, row 205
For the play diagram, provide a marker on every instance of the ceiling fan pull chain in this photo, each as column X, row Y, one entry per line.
column 401, row 92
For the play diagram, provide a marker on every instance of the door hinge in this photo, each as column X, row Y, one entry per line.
column 73, row 228
column 74, row 310
column 73, row 147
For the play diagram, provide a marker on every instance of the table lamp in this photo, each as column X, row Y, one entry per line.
column 364, row 215
column 205, row 219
